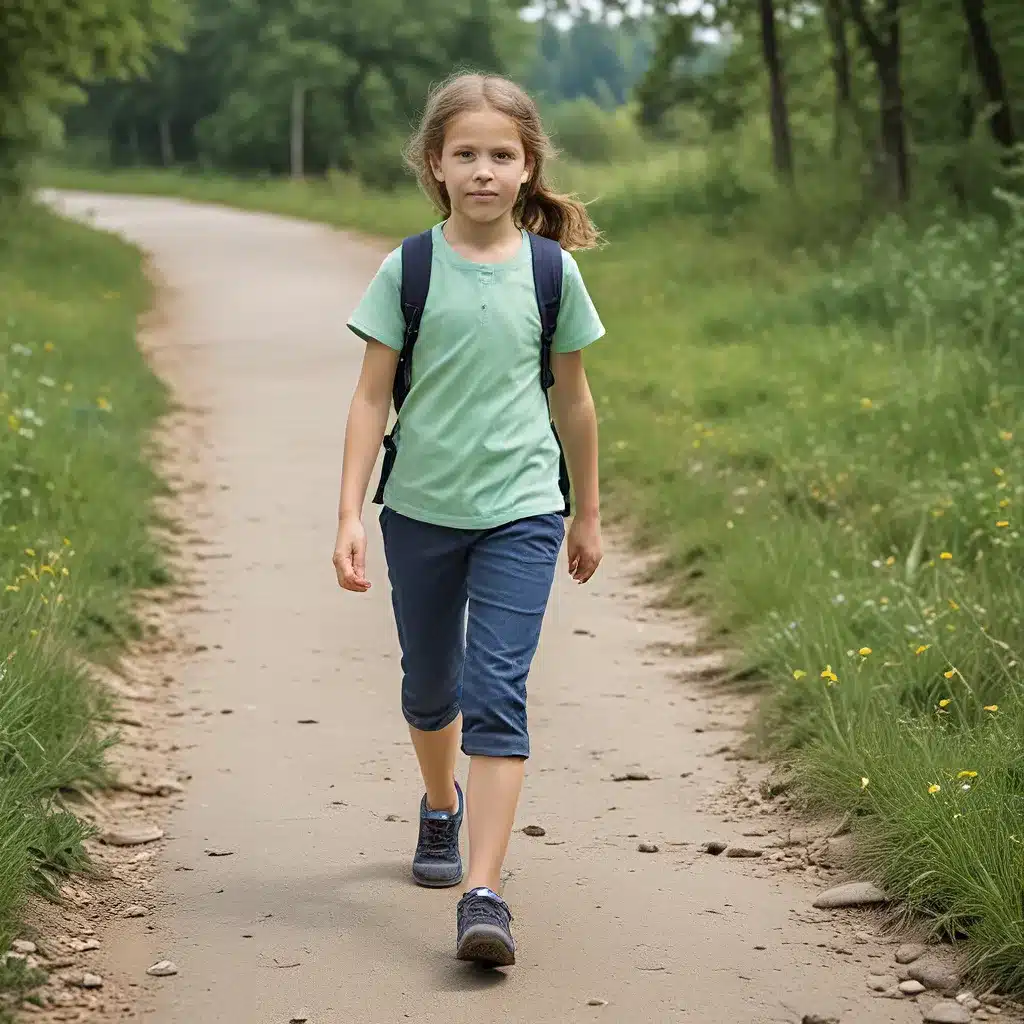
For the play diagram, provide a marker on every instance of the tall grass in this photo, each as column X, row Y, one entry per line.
column 828, row 452
column 76, row 403
column 833, row 461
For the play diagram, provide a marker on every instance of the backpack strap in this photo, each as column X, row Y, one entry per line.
column 417, row 256
column 547, row 284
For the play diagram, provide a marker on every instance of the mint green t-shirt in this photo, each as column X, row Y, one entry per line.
column 475, row 445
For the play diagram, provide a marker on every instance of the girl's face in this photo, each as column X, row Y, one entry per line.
column 483, row 164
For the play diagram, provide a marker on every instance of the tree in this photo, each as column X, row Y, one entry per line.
column 883, row 43
column 50, row 49
column 782, row 143
column 845, row 104
column 990, row 71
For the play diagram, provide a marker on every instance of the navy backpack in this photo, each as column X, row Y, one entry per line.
column 417, row 255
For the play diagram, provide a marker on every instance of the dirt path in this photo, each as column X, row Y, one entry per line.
column 314, row 910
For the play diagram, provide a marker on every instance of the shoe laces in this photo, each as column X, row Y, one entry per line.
column 436, row 836
column 487, row 909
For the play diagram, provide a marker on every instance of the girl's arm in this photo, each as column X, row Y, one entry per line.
column 572, row 409
column 364, row 432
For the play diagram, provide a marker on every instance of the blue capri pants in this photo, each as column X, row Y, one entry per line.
column 469, row 605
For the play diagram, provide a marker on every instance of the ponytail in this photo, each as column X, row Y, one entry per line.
column 563, row 218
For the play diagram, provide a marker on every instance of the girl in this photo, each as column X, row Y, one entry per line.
column 472, row 516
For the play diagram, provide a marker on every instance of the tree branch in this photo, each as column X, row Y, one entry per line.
column 867, row 33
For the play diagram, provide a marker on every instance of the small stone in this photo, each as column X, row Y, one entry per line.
column 84, row 945
column 135, row 910
column 534, row 830
column 129, row 836
column 947, row 1012
column 163, row 969
column 813, row 1018
column 912, row 988
column 647, row 848
column 632, row 777
column 714, row 848
column 742, row 852
column 852, row 894
column 879, row 984
column 972, row 1004
column 216, row 852
column 24, row 946
column 935, row 977
column 92, row 981
column 597, row 1002
column 299, row 1018
column 910, row 952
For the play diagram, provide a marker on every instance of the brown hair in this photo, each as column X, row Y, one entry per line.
column 539, row 208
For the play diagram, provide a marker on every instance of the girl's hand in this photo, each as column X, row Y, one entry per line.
column 584, row 548
column 350, row 556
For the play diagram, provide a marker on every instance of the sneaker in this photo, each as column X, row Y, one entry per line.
column 484, row 936
column 437, row 863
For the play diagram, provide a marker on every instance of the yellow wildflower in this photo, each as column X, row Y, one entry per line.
column 953, row 605
column 922, row 648
column 49, row 346
column 1006, row 435
column 946, row 556
column 950, row 673
column 866, row 403
column 864, row 652
column 1003, row 523
column 103, row 403
column 945, row 702
column 864, row 782
column 799, row 674
column 1004, row 502
column 992, row 707
column 934, row 788
column 891, row 560
column 998, row 471
column 967, row 775
column 829, row 675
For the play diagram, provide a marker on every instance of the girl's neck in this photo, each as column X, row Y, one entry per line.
column 493, row 241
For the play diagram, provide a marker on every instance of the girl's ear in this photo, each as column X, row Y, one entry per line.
column 528, row 170
column 435, row 166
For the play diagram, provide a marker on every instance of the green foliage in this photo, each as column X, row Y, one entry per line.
column 590, row 59
column 584, row 132
column 50, row 48
column 75, row 410
column 363, row 72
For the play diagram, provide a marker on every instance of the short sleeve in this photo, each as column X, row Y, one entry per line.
column 378, row 316
column 578, row 322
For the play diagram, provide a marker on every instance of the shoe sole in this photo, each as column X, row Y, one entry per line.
column 485, row 944
column 433, row 883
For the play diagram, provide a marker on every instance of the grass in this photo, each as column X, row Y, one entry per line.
column 75, row 490
column 828, row 453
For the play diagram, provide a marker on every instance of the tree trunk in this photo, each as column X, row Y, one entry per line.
column 133, row 143
column 990, row 71
column 886, row 51
column 782, row 143
column 845, row 112
column 166, row 142
column 298, row 134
